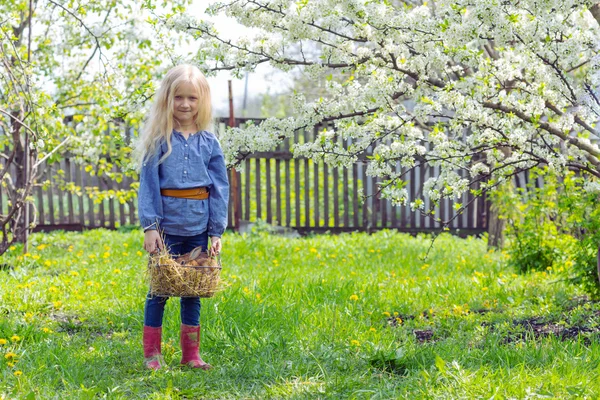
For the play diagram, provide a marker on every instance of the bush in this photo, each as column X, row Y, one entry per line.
column 555, row 225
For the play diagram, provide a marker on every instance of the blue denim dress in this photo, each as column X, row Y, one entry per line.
column 195, row 162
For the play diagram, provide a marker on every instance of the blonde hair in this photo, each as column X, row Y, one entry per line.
column 159, row 124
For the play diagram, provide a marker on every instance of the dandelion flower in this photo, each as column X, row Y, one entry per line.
column 116, row 271
column 386, row 314
column 18, row 373
column 125, row 244
column 313, row 250
column 10, row 364
column 355, row 342
column 57, row 304
column 46, row 330
column 15, row 338
column 354, row 297
column 10, row 355
column 74, row 273
column 48, row 263
column 139, row 253
column 3, row 342
column 372, row 329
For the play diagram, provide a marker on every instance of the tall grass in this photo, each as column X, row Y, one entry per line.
column 348, row 316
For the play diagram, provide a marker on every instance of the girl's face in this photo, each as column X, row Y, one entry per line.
column 185, row 104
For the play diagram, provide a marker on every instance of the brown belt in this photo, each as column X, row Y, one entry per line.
column 200, row 193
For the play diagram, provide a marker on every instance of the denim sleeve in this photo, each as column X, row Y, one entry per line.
column 219, row 192
column 150, row 209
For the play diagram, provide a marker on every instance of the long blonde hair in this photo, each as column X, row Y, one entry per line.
column 159, row 124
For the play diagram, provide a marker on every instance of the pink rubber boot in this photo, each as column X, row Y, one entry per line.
column 190, row 347
column 152, row 356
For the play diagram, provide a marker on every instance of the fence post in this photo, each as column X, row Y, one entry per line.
column 235, row 186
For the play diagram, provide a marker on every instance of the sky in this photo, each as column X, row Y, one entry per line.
column 262, row 80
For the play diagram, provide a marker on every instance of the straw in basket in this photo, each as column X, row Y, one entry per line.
column 194, row 274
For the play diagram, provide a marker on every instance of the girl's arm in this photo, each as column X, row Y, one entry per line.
column 149, row 200
column 219, row 193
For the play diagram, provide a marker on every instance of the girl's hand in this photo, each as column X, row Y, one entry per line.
column 152, row 241
column 215, row 246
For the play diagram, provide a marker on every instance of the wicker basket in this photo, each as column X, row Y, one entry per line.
column 194, row 274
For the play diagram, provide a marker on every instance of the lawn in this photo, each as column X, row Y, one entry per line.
column 348, row 316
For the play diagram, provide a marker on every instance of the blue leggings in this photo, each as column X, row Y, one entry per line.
column 190, row 306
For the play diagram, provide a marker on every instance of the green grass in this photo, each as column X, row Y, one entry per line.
column 317, row 317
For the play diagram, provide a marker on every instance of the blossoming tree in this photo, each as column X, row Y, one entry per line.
column 482, row 89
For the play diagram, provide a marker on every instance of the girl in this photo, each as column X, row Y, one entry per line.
column 183, row 192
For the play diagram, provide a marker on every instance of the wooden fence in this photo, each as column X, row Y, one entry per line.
column 272, row 186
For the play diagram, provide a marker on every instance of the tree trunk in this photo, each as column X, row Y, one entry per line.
column 495, row 228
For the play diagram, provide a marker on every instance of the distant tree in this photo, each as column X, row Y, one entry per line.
column 73, row 76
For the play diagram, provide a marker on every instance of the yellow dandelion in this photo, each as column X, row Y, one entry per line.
column 46, row 330
column 57, row 304
column 355, row 342
column 113, row 283
column 92, row 256
column 74, row 273
column 48, row 263
column 36, row 257
column 313, row 250
column 15, row 338
column 41, row 247
column 386, row 314
column 12, row 248
column 10, row 355
column 125, row 254
column 484, row 288
column 354, row 297
column 258, row 296
column 139, row 253
column 125, row 244
column 10, row 364
column 106, row 255
column 18, row 373
column 106, row 248
column 297, row 249
column 233, row 277
column 372, row 329
column 53, row 289
column 116, row 271
column 2, row 342
column 398, row 320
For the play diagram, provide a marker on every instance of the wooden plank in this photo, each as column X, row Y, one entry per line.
column 133, row 220
column 306, row 193
column 336, row 197
column 288, row 197
column 237, row 212
column 50, row 193
column 365, row 200
column 89, row 182
column 61, row 199
column 346, row 194
column 110, row 185
column 326, row 196
column 297, row 190
column 40, row 196
column 278, row 191
column 69, row 175
column 355, row 195
column 257, row 189
column 413, row 194
column 230, row 218
column 375, row 202
column 247, row 185
column 79, row 183
column 269, row 196
column 122, row 216
column 316, row 194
